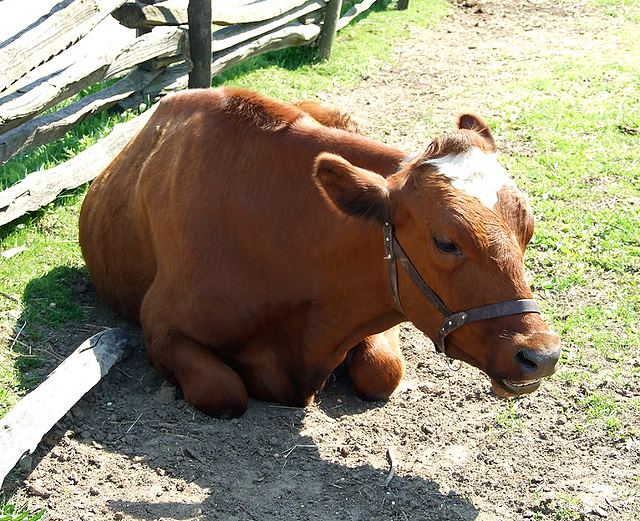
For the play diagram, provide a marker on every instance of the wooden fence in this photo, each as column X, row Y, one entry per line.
column 55, row 49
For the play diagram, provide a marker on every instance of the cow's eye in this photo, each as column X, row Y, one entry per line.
column 446, row 246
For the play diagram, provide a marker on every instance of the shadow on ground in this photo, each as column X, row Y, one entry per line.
column 132, row 448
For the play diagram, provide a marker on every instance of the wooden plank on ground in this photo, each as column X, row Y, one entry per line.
column 50, row 36
column 55, row 125
column 22, row 428
column 40, row 188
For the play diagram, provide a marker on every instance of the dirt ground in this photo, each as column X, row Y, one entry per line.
column 132, row 449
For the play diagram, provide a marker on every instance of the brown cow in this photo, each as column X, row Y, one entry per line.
column 250, row 242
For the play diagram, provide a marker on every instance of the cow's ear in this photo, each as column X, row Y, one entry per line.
column 514, row 208
column 352, row 190
column 477, row 123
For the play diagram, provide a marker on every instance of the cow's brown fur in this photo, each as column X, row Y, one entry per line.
column 245, row 237
column 328, row 115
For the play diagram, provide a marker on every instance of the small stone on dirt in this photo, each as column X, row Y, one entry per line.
column 38, row 490
column 166, row 394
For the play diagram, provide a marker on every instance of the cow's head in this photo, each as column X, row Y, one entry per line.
column 464, row 225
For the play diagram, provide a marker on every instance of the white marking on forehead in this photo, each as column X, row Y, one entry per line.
column 474, row 171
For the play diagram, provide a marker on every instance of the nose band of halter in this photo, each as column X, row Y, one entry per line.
column 452, row 321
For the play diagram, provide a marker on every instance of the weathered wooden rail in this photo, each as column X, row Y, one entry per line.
column 58, row 48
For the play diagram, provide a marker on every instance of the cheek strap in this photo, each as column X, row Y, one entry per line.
column 452, row 321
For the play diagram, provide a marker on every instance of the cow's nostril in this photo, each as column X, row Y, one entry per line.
column 526, row 363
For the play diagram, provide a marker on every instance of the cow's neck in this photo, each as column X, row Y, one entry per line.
column 359, row 150
column 360, row 285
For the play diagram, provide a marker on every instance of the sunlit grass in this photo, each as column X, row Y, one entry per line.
column 582, row 122
column 360, row 50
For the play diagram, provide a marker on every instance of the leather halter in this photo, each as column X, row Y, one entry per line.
column 452, row 320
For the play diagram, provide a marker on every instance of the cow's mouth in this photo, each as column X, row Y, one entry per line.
column 509, row 388
column 501, row 386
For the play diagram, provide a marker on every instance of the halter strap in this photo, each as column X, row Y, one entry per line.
column 452, row 320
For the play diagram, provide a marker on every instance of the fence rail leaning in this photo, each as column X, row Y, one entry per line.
column 58, row 48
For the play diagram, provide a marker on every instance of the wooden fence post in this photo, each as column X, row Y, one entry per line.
column 403, row 4
column 199, row 13
column 329, row 28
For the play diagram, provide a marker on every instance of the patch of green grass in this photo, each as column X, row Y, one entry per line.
column 359, row 50
column 627, row 8
column 563, row 507
column 19, row 512
column 39, row 276
column 508, row 417
column 608, row 327
column 614, row 417
column 568, row 508
column 598, row 405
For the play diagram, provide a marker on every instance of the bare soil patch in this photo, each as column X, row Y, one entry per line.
column 132, row 449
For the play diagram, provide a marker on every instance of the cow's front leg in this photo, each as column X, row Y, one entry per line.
column 377, row 365
column 208, row 384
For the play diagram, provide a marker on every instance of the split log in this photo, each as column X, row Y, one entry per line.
column 55, row 125
column 19, row 107
column 245, row 11
column 22, row 428
column 138, row 15
column 168, row 45
column 41, row 188
column 176, row 77
column 230, row 36
column 355, row 11
column 50, row 36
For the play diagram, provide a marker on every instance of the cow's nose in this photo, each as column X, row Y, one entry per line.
column 542, row 360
